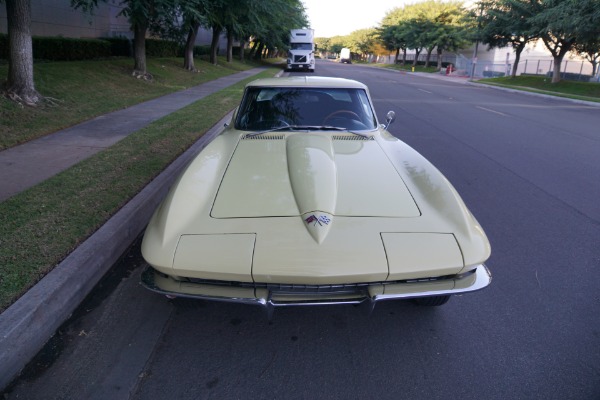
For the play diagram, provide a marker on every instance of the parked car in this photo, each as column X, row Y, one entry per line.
column 306, row 199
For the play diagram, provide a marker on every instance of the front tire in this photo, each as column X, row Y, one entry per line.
column 432, row 301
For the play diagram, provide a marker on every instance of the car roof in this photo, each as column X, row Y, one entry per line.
column 307, row 81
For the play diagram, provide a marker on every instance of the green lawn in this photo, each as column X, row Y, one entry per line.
column 408, row 67
column 84, row 89
column 41, row 226
column 589, row 91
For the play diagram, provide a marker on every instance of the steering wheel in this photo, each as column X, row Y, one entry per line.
column 339, row 113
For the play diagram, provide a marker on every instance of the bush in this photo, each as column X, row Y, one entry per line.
column 69, row 49
column 119, row 46
column 63, row 49
column 571, row 76
column 492, row 74
column 201, row 50
column 161, row 48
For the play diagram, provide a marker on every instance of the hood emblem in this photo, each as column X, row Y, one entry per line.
column 320, row 220
column 318, row 224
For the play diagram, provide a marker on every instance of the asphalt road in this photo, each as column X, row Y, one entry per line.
column 529, row 170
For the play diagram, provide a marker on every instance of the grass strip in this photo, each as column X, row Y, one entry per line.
column 408, row 68
column 588, row 91
column 81, row 90
column 41, row 226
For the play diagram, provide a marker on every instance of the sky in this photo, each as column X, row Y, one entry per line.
column 340, row 17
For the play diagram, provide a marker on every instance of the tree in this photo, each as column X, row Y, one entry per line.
column 562, row 24
column 361, row 41
column 590, row 50
column 277, row 18
column 20, row 85
column 141, row 15
column 391, row 36
column 507, row 22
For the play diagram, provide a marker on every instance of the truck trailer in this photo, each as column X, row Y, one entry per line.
column 345, row 56
column 302, row 50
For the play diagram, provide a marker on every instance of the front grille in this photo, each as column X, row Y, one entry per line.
column 306, row 289
column 300, row 59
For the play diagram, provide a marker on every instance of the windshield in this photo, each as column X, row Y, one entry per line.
column 301, row 46
column 272, row 107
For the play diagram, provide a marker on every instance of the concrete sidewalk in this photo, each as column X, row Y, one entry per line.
column 32, row 320
column 26, row 165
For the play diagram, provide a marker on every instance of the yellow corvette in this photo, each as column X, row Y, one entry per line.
column 305, row 199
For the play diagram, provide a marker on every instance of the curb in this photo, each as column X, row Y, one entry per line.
column 31, row 321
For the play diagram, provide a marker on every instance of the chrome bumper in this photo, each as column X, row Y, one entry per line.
column 271, row 297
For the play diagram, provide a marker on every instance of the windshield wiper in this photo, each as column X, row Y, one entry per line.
column 279, row 128
column 308, row 128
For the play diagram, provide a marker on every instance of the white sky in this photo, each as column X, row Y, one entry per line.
column 340, row 17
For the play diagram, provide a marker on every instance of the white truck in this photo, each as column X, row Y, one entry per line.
column 345, row 56
column 302, row 50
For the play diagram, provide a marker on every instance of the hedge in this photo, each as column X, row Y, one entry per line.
column 70, row 49
column 162, row 48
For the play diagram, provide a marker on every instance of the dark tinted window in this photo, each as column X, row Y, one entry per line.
column 267, row 108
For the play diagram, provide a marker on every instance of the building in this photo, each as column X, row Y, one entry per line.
column 58, row 18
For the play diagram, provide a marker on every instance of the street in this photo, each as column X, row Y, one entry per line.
column 527, row 167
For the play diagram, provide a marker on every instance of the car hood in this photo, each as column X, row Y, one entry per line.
column 293, row 175
column 312, row 208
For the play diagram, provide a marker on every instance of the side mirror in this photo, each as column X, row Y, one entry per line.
column 389, row 118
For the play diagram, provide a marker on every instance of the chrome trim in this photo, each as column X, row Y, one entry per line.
column 361, row 295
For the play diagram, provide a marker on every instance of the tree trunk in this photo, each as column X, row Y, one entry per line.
column 556, row 72
column 229, row 46
column 214, row 44
column 242, row 45
column 397, row 55
column 558, row 48
column 417, row 52
column 258, row 54
column 139, row 50
column 429, row 51
column 20, row 85
column 188, row 55
column 253, row 49
column 404, row 56
column 439, row 58
column 518, row 51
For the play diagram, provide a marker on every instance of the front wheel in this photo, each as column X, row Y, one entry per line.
column 432, row 301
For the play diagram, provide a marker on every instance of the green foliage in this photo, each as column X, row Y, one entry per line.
column 119, row 46
column 201, row 50
column 563, row 25
column 361, row 41
column 63, row 49
column 425, row 25
column 162, row 48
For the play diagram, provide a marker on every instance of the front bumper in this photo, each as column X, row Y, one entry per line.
column 271, row 296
